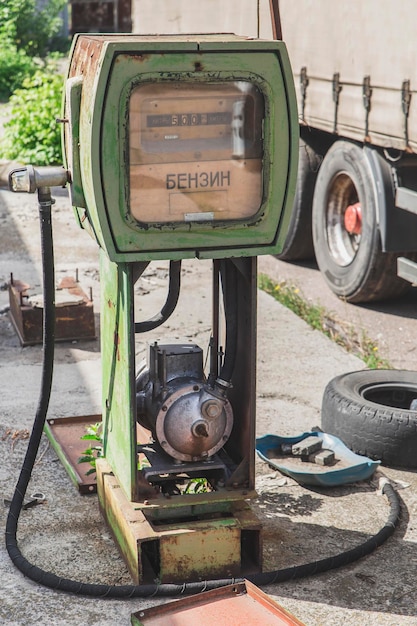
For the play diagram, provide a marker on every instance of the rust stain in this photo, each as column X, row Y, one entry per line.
column 141, row 58
column 240, row 603
column 73, row 287
column 117, row 344
column 86, row 56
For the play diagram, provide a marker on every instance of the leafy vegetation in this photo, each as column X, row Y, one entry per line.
column 15, row 65
column 197, row 485
column 317, row 317
column 32, row 134
column 30, row 26
column 93, row 452
column 28, row 33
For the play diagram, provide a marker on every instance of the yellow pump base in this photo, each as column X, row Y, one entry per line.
column 168, row 544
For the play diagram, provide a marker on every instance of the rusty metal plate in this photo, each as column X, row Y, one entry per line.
column 234, row 605
column 74, row 312
column 65, row 434
column 210, row 550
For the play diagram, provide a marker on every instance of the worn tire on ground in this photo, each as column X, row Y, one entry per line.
column 370, row 412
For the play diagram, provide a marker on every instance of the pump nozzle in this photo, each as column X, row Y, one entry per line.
column 28, row 179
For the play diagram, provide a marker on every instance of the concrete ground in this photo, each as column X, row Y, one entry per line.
column 391, row 324
column 66, row 534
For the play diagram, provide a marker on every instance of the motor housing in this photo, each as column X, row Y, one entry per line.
column 189, row 419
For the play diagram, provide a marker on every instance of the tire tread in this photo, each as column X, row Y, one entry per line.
column 373, row 430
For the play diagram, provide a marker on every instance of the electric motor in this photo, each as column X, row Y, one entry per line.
column 190, row 420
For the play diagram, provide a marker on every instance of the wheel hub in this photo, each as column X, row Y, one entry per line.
column 353, row 219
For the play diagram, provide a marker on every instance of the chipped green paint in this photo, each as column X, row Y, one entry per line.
column 118, row 366
column 123, row 62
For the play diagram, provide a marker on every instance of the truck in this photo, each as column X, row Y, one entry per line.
column 355, row 207
column 356, row 201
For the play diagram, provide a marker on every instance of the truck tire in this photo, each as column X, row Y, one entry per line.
column 299, row 241
column 346, row 237
column 370, row 412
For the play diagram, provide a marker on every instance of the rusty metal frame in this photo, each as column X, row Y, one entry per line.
column 240, row 603
column 73, row 322
column 65, row 436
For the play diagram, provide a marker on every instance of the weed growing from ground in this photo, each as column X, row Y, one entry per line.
column 93, row 452
column 342, row 333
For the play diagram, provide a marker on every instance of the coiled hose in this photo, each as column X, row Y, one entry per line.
column 51, row 580
column 170, row 303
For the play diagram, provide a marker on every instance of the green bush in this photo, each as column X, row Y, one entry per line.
column 15, row 65
column 26, row 32
column 31, row 25
column 32, row 134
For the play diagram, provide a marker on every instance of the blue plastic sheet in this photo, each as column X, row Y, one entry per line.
column 349, row 467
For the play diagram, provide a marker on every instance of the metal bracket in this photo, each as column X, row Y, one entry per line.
column 405, row 105
column 275, row 19
column 336, row 89
column 366, row 99
column 407, row 269
column 304, row 81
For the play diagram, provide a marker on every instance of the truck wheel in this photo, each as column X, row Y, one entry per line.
column 374, row 412
column 346, row 238
column 299, row 242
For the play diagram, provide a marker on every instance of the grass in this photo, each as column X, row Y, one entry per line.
column 342, row 333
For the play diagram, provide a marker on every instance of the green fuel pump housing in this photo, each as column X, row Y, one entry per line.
column 179, row 146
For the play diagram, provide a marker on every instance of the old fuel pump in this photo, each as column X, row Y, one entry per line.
column 180, row 147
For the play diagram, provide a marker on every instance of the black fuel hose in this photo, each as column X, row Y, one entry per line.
column 57, row 583
column 45, row 202
column 170, row 303
column 229, row 288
